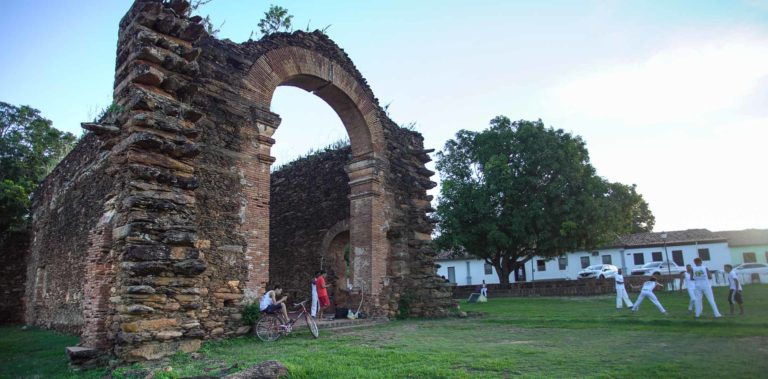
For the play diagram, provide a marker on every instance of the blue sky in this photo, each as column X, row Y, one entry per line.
column 669, row 95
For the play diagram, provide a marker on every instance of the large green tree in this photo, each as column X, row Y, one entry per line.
column 519, row 189
column 29, row 149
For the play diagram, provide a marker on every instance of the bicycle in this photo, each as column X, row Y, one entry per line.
column 270, row 327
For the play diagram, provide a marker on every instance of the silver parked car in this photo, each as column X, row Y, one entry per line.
column 752, row 272
column 598, row 272
column 658, row 268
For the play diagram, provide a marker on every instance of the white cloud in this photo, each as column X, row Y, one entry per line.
column 679, row 83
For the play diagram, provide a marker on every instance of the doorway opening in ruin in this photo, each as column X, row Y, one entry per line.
column 309, row 197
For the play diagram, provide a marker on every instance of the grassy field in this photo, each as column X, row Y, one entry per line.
column 517, row 337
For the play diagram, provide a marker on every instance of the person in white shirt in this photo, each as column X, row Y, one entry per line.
column 647, row 291
column 315, row 299
column 687, row 279
column 734, row 293
column 701, row 276
column 270, row 304
column 621, row 292
column 484, row 290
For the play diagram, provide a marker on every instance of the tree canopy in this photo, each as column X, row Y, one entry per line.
column 29, row 149
column 519, row 189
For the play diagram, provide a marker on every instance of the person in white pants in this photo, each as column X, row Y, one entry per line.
column 647, row 291
column 315, row 299
column 484, row 290
column 621, row 292
column 701, row 276
column 687, row 279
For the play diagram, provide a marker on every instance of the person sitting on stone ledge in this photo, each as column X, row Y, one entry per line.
column 270, row 304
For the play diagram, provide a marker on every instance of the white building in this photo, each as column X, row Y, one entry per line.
column 627, row 253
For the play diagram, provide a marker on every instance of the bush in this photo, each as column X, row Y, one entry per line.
column 251, row 313
column 404, row 306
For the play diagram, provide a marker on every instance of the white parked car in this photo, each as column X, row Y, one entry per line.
column 751, row 272
column 658, row 268
column 598, row 272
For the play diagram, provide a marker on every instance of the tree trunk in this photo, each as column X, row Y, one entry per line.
column 503, row 271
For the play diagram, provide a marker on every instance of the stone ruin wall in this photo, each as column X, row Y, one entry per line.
column 152, row 233
column 13, row 274
column 66, row 210
column 308, row 197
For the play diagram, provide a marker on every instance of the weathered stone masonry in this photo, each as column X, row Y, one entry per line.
column 152, row 235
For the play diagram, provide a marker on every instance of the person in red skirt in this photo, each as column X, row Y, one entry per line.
column 322, row 292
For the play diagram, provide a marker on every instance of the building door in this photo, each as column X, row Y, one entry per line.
column 520, row 274
column 452, row 274
column 677, row 257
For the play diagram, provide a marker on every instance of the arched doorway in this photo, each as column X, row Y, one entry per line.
column 315, row 73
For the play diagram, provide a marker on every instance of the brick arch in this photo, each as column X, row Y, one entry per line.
column 315, row 73
column 355, row 105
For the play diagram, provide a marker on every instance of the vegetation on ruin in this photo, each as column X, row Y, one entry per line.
column 275, row 19
column 314, row 153
column 251, row 313
column 29, row 149
column 527, row 337
column 519, row 189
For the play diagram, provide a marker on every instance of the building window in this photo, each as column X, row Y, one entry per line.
column 488, row 269
column 639, row 259
column 584, row 262
column 677, row 257
column 704, row 254
column 540, row 265
column 606, row 259
column 562, row 262
column 750, row 258
column 656, row 256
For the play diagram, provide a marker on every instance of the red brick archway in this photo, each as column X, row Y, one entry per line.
column 313, row 72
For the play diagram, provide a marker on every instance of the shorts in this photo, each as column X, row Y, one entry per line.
column 734, row 297
column 272, row 308
column 324, row 301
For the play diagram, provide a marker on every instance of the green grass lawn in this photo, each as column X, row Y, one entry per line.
column 515, row 337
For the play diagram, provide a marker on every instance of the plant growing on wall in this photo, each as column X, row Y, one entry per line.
column 251, row 313
column 275, row 19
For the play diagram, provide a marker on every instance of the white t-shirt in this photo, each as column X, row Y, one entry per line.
column 649, row 286
column 733, row 279
column 266, row 301
column 700, row 275
column 688, row 280
column 619, row 281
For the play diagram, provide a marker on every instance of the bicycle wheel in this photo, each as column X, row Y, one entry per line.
column 312, row 326
column 268, row 328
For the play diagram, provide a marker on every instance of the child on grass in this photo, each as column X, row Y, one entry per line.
column 734, row 292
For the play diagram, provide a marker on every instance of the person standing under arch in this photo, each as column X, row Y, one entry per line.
column 322, row 292
column 315, row 298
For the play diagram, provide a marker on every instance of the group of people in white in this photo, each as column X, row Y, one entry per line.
column 696, row 279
